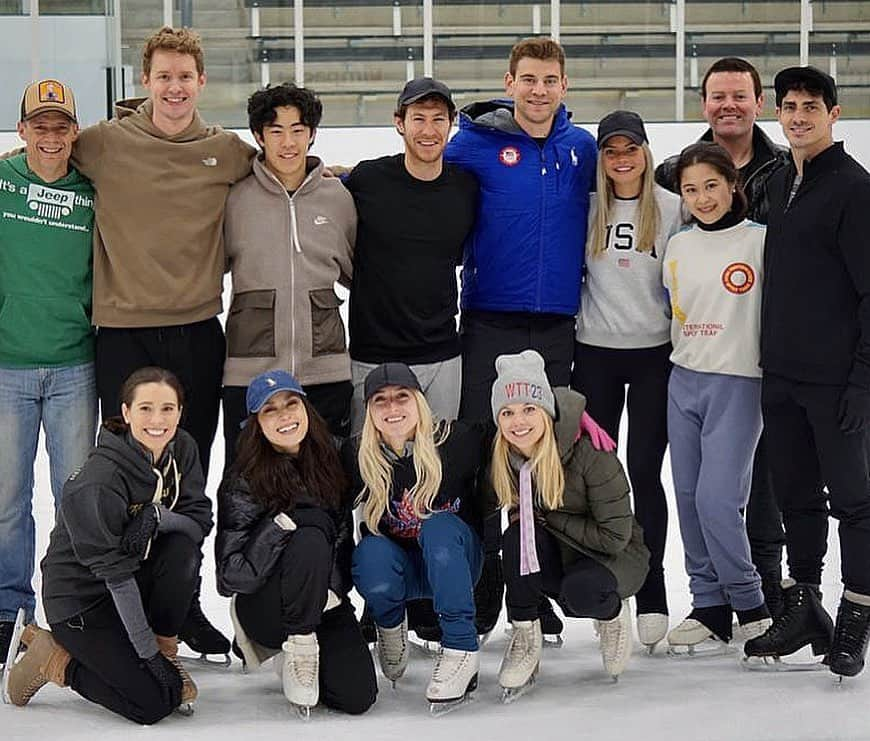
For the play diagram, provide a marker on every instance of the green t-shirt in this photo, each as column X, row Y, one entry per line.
column 45, row 268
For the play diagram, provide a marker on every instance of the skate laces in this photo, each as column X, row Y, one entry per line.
column 520, row 646
column 444, row 664
column 612, row 637
column 305, row 667
column 392, row 643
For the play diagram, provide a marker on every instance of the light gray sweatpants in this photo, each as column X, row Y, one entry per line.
column 714, row 422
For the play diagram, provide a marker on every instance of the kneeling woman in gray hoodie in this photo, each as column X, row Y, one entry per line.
column 123, row 563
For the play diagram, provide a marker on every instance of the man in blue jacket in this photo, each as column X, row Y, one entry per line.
column 523, row 260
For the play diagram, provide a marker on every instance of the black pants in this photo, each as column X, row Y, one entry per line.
column 193, row 352
column 601, row 374
column 104, row 667
column 331, row 400
column 486, row 335
column 763, row 518
column 806, row 450
column 584, row 589
column 291, row 602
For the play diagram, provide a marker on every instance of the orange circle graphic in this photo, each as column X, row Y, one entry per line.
column 738, row 277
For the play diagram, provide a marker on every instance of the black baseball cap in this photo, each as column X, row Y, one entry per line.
column 792, row 78
column 621, row 123
column 390, row 374
column 422, row 87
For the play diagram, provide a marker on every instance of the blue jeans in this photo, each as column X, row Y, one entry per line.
column 64, row 402
column 444, row 568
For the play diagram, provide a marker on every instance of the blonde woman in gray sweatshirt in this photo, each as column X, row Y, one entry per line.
column 623, row 332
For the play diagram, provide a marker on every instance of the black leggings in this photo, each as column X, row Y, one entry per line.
column 104, row 667
column 291, row 602
column 585, row 589
column 601, row 374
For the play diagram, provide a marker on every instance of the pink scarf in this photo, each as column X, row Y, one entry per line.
column 528, row 550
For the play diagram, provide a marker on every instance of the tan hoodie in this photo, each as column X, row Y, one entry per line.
column 158, row 251
column 285, row 255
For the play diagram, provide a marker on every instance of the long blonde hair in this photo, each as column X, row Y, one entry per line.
column 377, row 471
column 648, row 217
column 547, row 472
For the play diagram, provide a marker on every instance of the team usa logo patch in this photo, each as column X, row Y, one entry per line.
column 509, row 156
column 738, row 278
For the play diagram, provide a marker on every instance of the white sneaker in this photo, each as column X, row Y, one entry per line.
column 652, row 627
column 454, row 675
column 616, row 641
column 300, row 675
column 522, row 657
column 393, row 650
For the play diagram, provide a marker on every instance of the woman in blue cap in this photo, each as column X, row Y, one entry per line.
column 283, row 551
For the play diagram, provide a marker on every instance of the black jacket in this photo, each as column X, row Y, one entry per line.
column 771, row 156
column 97, row 504
column 249, row 543
column 815, row 311
column 462, row 451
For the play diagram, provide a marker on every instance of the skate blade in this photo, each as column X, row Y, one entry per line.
column 437, row 708
column 482, row 638
column 12, row 653
column 204, row 660
column 552, row 640
column 650, row 648
column 512, row 694
column 303, row 712
column 704, row 650
column 776, row 664
column 186, row 709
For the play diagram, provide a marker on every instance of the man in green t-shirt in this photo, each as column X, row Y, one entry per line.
column 46, row 338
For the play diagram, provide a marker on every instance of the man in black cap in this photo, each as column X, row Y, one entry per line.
column 815, row 354
column 414, row 213
column 732, row 98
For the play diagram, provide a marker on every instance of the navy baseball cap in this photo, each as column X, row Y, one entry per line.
column 423, row 87
column 266, row 385
column 621, row 123
column 390, row 374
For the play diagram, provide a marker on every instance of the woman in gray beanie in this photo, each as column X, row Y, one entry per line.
column 572, row 534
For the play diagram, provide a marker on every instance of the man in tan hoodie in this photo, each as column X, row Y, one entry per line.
column 161, row 177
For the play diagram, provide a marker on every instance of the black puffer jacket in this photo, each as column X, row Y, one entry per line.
column 98, row 502
column 772, row 156
column 249, row 542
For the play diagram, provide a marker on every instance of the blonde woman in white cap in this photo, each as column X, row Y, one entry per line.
column 572, row 534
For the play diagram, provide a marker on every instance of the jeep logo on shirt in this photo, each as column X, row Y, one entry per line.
column 50, row 203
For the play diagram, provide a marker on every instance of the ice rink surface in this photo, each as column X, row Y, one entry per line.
column 702, row 699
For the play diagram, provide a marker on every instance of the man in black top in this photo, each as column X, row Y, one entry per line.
column 415, row 211
column 732, row 99
column 815, row 354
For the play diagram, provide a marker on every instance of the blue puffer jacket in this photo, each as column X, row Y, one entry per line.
column 526, row 251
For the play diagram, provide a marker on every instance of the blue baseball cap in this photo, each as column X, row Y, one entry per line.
column 266, row 385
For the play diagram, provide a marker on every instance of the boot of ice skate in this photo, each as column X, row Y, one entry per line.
column 705, row 632
column 454, row 677
column 616, row 641
column 522, row 659
column 652, row 627
column 849, row 647
column 803, row 622
column 43, row 661
column 393, row 650
column 300, row 675
column 202, row 637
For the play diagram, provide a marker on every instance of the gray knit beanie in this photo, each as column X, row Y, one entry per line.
column 521, row 380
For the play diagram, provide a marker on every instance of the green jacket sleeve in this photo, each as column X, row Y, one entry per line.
column 606, row 526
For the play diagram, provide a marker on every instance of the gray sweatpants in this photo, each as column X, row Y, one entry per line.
column 714, row 422
column 441, row 383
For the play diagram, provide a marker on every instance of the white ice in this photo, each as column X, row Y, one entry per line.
column 656, row 698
